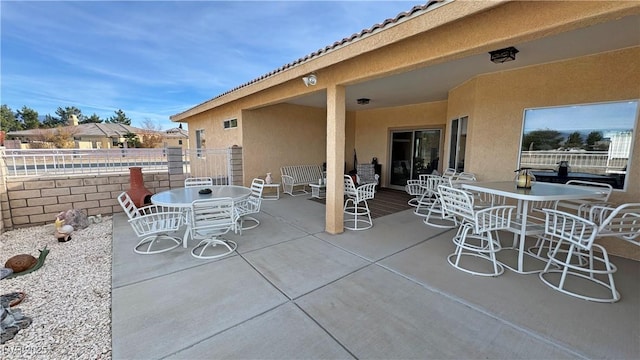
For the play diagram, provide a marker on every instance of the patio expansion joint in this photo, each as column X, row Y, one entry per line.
column 225, row 330
column 310, row 291
column 141, row 281
column 483, row 311
column 326, row 331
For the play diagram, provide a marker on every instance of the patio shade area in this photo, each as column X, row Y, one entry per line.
column 386, row 202
column 293, row 291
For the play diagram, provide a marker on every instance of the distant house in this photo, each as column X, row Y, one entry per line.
column 176, row 137
column 93, row 136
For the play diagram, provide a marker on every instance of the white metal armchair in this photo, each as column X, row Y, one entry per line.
column 582, row 207
column 477, row 234
column 356, row 208
column 152, row 224
column 211, row 219
column 249, row 206
column 430, row 206
column 573, row 238
column 198, row 181
column 416, row 189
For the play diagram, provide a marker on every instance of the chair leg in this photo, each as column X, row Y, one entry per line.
column 599, row 272
column 248, row 218
column 354, row 213
column 198, row 251
column 149, row 241
column 480, row 251
column 443, row 223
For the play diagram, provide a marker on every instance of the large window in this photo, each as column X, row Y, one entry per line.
column 200, row 142
column 458, row 143
column 590, row 142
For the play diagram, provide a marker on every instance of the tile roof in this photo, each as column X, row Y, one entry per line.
column 345, row 41
column 92, row 129
column 176, row 133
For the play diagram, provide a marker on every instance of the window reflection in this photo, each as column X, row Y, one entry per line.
column 591, row 142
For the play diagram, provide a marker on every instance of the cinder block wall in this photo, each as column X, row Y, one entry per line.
column 36, row 201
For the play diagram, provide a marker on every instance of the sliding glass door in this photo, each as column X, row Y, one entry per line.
column 458, row 143
column 413, row 152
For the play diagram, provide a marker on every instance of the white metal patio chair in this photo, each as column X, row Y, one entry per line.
column 430, row 207
column 582, row 207
column 356, row 208
column 210, row 219
column 573, row 240
column 449, row 173
column 198, row 181
column 249, row 206
column 416, row 189
column 622, row 221
column 461, row 178
column 152, row 223
column 477, row 234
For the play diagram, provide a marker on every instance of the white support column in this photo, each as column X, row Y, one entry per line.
column 336, row 114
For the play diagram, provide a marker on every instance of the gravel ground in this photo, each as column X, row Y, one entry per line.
column 68, row 299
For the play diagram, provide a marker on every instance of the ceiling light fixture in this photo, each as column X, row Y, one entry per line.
column 310, row 79
column 363, row 101
column 503, row 55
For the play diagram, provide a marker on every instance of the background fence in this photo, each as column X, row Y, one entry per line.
column 35, row 185
column 56, row 162
column 595, row 162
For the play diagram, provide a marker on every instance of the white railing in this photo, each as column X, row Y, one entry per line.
column 56, row 162
column 214, row 163
column 597, row 162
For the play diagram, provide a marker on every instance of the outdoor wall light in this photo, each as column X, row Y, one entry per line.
column 363, row 101
column 503, row 55
column 310, row 79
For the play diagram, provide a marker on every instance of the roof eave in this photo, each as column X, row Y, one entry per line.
column 308, row 63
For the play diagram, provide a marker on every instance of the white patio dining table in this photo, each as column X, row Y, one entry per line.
column 183, row 197
column 540, row 191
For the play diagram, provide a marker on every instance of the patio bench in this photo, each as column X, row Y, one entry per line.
column 296, row 178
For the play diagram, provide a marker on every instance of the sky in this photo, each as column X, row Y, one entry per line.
column 154, row 59
column 619, row 115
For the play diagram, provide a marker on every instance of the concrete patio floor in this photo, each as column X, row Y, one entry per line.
column 292, row 291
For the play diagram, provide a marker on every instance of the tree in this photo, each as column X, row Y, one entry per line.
column 8, row 121
column 62, row 137
column 119, row 118
column 592, row 139
column 574, row 141
column 150, row 135
column 52, row 122
column 132, row 140
column 542, row 140
column 93, row 119
column 29, row 118
column 65, row 114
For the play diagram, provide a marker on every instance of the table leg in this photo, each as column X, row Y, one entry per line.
column 185, row 237
column 523, row 235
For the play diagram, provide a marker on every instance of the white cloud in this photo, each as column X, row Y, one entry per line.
column 156, row 58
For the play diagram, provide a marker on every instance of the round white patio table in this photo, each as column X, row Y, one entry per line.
column 183, row 197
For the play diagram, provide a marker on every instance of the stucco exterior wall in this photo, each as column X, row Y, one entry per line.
column 373, row 129
column 216, row 136
column 495, row 104
column 280, row 135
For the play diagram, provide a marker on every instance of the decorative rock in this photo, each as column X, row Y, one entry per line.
column 4, row 272
column 74, row 217
column 66, row 229
column 20, row 263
